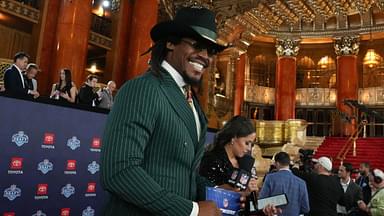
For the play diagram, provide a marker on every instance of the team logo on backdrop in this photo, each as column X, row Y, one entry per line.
column 89, row 211
column 41, row 192
column 71, row 167
column 96, row 144
column 45, row 166
column 12, row 192
column 20, row 138
column 16, row 165
column 73, row 143
column 39, row 213
column 93, row 167
column 91, row 189
column 9, row 214
column 67, row 190
column 49, row 140
column 65, row 212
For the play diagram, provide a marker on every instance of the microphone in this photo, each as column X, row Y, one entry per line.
column 240, row 177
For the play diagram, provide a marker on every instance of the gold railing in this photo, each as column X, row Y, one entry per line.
column 351, row 143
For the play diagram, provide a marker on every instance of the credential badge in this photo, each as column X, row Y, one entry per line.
column 67, row 190
column 45, row 166
column 20, row 138
column 39, row 213
column 12, row 192
column 73, row 143
column 89, row 211
column 93, row 167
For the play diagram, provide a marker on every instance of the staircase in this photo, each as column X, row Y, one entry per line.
column 367, row 150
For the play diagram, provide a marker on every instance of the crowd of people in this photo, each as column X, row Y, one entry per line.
column 20, row 80
column 155, row 162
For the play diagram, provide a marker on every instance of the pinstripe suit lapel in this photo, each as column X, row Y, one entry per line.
column 180, row 105
column 203, row 122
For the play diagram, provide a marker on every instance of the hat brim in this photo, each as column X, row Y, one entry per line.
column 165, row 29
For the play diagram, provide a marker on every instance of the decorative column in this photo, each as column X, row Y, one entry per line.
column 285, row 87
column 346, row 49
column 116, row 59
column 144, row 17
column 72, row 35
column 239, row 84
column 46, row 34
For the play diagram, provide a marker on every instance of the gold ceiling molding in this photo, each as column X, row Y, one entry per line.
column 309, row 20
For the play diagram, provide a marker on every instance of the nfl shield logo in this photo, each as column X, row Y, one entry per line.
column 39, row 213
column 88, row 211
column 45, row 166
column 93, row 167
column 20, row 138
column 73, row 143
column 12, row 192
column 67, row 190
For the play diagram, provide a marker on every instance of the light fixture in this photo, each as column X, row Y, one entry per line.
column 371, row 58
column 93, row 68
column 323, row 63
column 106, row 4
column 100, row 11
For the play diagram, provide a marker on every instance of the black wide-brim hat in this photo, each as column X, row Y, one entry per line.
column 193, row 22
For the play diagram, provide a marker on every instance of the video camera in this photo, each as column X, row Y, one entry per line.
column 306, row 156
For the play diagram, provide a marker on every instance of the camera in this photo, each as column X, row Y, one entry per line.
column 306, row 156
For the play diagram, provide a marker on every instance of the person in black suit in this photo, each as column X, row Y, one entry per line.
column 352, row 192
column 363, row 181
column 87, row 95
column 13, row 77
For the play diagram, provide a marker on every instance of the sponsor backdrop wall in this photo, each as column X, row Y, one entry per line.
column 49, row 160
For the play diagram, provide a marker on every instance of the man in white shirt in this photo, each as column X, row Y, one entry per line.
column 352, row 192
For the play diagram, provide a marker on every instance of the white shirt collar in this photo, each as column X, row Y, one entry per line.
column 21, row 74
column 20, row 71
column 174, row 74
column 345, row 184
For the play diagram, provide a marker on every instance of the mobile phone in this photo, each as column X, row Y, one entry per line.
column 277, row 200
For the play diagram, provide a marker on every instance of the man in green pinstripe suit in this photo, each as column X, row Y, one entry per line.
column 154, row 137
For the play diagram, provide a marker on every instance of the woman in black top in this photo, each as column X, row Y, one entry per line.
column 65, row 89
column 231, row 143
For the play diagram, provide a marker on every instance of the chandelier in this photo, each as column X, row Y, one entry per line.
column 371, row 58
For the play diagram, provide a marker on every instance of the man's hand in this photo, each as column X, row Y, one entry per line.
column 34, row 93
column 271, row 210
column 208, row 208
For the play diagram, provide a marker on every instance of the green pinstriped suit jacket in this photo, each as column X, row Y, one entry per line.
column 151, row 150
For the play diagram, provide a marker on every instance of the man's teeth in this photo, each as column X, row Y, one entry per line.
column 197, row 66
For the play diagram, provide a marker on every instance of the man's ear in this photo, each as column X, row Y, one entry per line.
column 170, row 46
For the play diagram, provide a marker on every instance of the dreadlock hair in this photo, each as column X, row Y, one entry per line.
column 159, row 52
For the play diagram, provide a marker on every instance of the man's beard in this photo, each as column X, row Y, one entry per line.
column 189, row 81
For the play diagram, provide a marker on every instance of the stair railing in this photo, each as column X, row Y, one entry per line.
column 351, row 142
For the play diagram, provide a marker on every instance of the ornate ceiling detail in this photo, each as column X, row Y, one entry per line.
column 347, row 45
column 291, row 18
